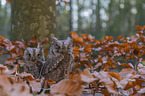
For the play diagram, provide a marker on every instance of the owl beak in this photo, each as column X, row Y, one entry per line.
column 64, row 50
column 33, row 59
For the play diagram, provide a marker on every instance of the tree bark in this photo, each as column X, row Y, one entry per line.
column 33, row 17
column 98, row 20
column 70, row 20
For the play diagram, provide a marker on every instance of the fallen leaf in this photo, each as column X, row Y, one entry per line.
column 20, row 89
column 126, row 65
column 44, row 41
column 73, row 34
column 27, row 76
column 3, row 68
column 115, row 75
column 36, row 86
column 5, row 85
column 66, row 86
column 86, row 76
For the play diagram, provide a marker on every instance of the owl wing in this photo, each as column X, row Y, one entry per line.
column 51, row 63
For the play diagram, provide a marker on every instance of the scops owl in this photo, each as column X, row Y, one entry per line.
column 59, row 62
column 33, row 60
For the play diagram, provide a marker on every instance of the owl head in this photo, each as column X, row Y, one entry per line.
column 62, row 46
column 34, row 54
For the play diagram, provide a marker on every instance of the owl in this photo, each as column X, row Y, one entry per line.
column 33, row 60
column 59, row 62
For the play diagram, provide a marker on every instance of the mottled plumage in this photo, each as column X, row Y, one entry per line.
column 59, row 62
column 33, row 58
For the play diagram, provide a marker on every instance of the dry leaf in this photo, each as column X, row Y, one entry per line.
column 27, row 76
column 20, row 89
column 115, row 75
column 5, row 85
column 36, row 86
column 86, row 76
column 3, row 68
column 67, row 86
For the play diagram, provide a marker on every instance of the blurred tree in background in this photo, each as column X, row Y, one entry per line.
column 33, row 17
column 101, row 17
column 96, row 17
column 5, row 24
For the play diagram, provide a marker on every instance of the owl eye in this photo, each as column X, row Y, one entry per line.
column 57, row 47
column 29, row 55
column 38, row 55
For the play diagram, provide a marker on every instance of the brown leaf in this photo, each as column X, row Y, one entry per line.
column 105, row 92
column 69, row 87
column 73, row 34
column 125, row 65
column 76, row 76
column 139, row 28
column 5, row 86
column 88, row 49
column 108, row 38
column 126, row 71
column 141, row 70
column 137, row 52
column 14, row 70
column 91, row 38
column 46, row 52
column 78, row 64
column 66, row 2
column 27, row 76
column 79, row 39
column 6, row 41
column 20, row 89
column 21, row 62
column 100, row 59
column 2, row 51
column 19, row 44
column 134, row 83
column 3, row 68
column 33, row 41
column 14, row 55
column 76, row 48
column 9, row 1
column 116, row 75
column 44, row 41
column 9, row 62
column 83, row 57
column 120, row 37
column 85, row 37
column 36, row 86
column 142, row 38
column 86, row 76
column 50, row 81
column 134, row 44
column 1, row 38
column 21, row 52
column 105, row 79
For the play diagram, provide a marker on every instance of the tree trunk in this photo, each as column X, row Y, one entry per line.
column 33, row 17
column 70, row 19
column 79, row 17
column 98, row 20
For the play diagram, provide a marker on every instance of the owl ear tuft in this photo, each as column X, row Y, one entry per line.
column 70, row 40
column 54, row 39
column 28, row 48
column 27, row 51
column 39, row 46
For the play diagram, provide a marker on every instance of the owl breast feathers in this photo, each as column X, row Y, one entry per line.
column 33, row 58
column 59, row 62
